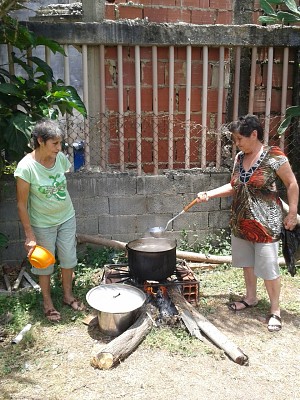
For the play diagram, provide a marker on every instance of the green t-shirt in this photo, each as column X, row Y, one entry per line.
column 49, row 202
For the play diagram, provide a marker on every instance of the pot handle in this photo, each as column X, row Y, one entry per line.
column 191, row 204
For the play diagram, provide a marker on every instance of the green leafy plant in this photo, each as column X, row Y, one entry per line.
column 31, row 95
column 275, row 15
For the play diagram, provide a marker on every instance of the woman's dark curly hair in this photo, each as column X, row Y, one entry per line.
column 246, row 125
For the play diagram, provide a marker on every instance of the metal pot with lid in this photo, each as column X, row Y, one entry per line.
column 152, row 258
column 118, row 306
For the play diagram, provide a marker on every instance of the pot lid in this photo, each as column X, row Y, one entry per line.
column 115, row 298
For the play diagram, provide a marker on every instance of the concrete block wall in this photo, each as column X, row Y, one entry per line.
column 124, row 206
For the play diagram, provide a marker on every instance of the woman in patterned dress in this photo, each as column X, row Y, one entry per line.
column 256, row 212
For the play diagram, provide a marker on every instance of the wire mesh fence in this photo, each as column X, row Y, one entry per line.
column 151, row 144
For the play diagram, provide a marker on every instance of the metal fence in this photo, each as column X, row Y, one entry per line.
column 110, row 143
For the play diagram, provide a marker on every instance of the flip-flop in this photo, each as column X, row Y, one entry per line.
column 52, row 315
column 274, row 327
column 232, row 306
column 80, row 305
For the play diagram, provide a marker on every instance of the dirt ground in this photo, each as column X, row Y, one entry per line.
column 60, row 366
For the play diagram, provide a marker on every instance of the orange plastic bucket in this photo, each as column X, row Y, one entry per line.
column 41, row 257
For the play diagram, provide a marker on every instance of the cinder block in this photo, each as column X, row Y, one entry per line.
column 219, row 219
column 192, row 221
column 127, row 205
column 8, row 210
column 155, row 185
column 87, row 225
column 91, row 206
column 116, row 224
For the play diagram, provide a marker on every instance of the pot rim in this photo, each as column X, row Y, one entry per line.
column 114, row 298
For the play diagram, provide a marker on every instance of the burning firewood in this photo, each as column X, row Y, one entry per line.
column 208, row 328
column 122, row 346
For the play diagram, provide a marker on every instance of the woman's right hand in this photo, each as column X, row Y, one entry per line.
column 202, row 197
column 30, row 244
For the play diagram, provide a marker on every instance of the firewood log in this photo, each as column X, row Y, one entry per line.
column 208, row 328
column 122, row 346
column 184, row 255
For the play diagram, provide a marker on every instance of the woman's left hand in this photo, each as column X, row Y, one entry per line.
column 290, row 221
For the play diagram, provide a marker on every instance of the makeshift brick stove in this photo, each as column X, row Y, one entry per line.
column 183, row 278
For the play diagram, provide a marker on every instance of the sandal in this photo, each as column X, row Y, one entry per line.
column 75, row 304
column 272, row 327
column 52, row 315
column 232, row 306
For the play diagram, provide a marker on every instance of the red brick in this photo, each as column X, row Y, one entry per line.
column 146, row 53
column 197, row 73
column 196, row 53
column 113, row 153
column 202, row 17
column 111, row 73
column 212, row 100
column 179, row 15
column 148, row 168
column 158, row 14
column 276, row 100
column 180, row 73
column 131, row 99
column 128, row 73
column 163, row 150
column 163, row 53
column 130, row 151
column 193, row 3
column 145, row 2
column 179, row 147
column 171, row 3
column 129, row 127
column 110, row 11
column 147, row 127
column 224, row 17
column 163, row 99
column 147, row 151
column 146, row 99
column 130, row 12
column 113, row 128
column 111, row 52
column 213, row 54
column 111, row 99
column 203, row 3
column 147, row 73
column 221, row 4
column 195, row 100
column 180, row 53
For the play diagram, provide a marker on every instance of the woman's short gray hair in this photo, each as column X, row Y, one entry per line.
column 46, row 129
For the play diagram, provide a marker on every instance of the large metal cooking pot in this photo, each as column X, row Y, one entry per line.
column 152, row 259
column 118, row 306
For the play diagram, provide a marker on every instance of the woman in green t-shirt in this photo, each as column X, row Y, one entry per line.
column 46, row 211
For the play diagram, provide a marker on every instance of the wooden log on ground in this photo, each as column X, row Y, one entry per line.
column 31, row 281
column 115, row 244
column 19, row 278
column 212, row 332
column 7, row 282
column 122, row 346
column 191, row 324
column 185, row 255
